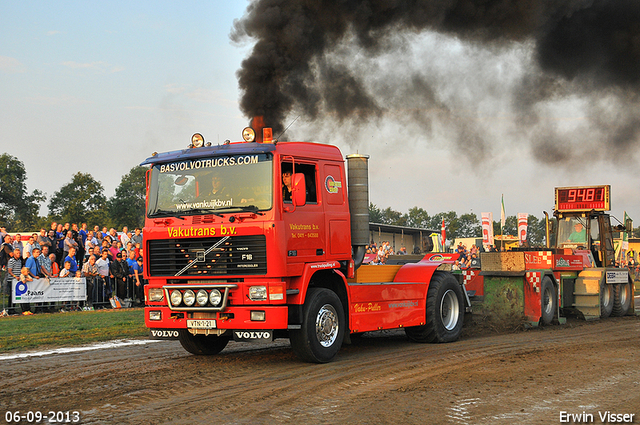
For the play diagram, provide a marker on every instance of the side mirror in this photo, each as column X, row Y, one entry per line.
column 299, row 190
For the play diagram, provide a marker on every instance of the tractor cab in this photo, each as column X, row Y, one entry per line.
column 582, row 224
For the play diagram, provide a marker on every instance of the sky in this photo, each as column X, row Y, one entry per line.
column 96, row 87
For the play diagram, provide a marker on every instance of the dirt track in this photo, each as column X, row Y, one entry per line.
column 526, row 377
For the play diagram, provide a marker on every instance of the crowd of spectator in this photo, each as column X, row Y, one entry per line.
column 382, row 252
column 110, row 261
column 467, row 258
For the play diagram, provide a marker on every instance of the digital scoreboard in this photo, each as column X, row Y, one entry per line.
column 583, row 198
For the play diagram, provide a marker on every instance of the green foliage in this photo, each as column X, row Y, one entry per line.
column 375, row 215
column 18, row 209
column 465, row 226
column 80, row 201
column 126, row 207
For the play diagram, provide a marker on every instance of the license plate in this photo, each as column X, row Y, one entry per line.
column 201, row 324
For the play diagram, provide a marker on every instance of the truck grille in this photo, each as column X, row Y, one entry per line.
column 237, row 255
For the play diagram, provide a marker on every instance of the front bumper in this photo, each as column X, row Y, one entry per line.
column 238, row 317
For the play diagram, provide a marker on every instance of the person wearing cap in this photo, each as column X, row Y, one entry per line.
column 579, row 233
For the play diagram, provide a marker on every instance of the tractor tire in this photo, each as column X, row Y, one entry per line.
column 606, row 300
column 445, row 311
column 323, row 325
column 548, row 301
column 622, row 294
column 202, row 345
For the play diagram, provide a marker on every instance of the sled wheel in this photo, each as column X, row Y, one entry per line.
column 622, row 294
column 206, row 345
column 323, row 325
column 548, row 301
column 445, row 311
column 606, row 300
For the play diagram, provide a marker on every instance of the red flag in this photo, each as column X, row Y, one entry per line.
column 443, row 232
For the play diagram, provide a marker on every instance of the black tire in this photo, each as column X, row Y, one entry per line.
column 606, row 300
column 323, row 325
column 548, row 301
column 622, row 294
column 202, row 345
column 445, row 311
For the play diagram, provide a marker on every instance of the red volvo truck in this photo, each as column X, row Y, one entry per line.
column 256, row 240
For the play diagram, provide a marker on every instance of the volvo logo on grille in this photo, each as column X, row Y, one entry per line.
column 200, row 255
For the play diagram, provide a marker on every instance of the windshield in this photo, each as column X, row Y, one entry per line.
column 572, row 232
column 211, row 185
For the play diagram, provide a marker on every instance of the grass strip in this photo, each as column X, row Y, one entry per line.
column 69, row 329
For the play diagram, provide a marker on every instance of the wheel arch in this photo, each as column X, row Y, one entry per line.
column 332, row 279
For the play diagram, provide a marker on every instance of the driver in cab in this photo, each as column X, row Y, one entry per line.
column 218, row 190
column 579, row 234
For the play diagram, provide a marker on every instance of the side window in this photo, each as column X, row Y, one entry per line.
column 309, row 171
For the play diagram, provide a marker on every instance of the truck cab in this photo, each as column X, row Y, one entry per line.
column 253, row 241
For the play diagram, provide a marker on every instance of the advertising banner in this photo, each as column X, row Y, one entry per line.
column 49, row 290
column 487, row 228
column 522, row 227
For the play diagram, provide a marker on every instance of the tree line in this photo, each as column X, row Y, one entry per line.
column 464, row 226
column 82, row 200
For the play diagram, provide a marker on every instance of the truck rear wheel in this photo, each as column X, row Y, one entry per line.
column 202, row 344
column 323, row 325
column 606, row 300
column 548, row 301
column 622, row 294
column 445, row 311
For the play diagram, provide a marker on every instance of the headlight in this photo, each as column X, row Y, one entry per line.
column 257, row 293
column 197, row 141
column 189, row 297
column 248, row 134
column 215, row 297
column 176, row 297
column 156, row 294
column 202, row 297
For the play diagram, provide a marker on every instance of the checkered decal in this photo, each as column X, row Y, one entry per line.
column 546, row 257
column 534, row 279
column 468, row 275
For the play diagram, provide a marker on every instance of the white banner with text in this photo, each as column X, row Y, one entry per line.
column 49, row 290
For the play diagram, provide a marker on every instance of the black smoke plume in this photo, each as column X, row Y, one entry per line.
column 306, row 54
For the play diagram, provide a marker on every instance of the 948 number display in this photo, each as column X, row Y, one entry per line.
column 51, row 417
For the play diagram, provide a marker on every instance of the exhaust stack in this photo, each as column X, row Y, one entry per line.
column 358, row 186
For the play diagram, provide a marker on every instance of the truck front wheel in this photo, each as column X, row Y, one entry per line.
column 202, row 344
column 323, row 325
column 445, row 311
